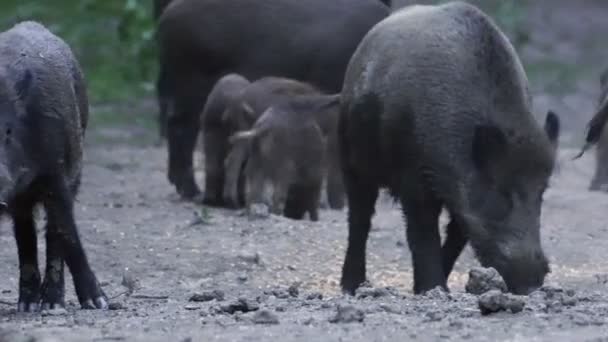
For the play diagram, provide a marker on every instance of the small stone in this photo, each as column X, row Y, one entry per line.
column 551, row 290
column 314, row 295
column 348, row 314
column 391, row 308
column 240, row 305
column 265, row 317
column 308, row 321
column 191, row 307
column 437, row 293
column 365, row 292
column 252, row 258
column 294, row 290
column 482, row 280
column 208, row 296
column 54, row 312
column 115, row 306
column 434, row 316
column 242, row 278
column 495, row 301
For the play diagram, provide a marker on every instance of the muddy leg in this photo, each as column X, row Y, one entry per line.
column 335, row 184
column 293, row 204
column 256, row 181
column 361, row 205
column 29, row 274
column 454, row 243
column 313, row 197
column 53, row 287
column 215, row 147
column 422, row 214
column 280, row 187
column 64, row 235
column 182, row 133
column 233, row 166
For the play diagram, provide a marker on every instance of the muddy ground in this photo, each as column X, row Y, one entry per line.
column 138, row 233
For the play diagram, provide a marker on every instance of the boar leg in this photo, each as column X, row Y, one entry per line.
column 255, row 183
column 182, row 132
column 361, row 198
column 280, row 188
column 29, row 274
column 234, row 166
column 313, row 194
column 422, row 214
column 215, row 146
column 60, row 213
column 335, row 186
column 453, row 245
column 53, row 287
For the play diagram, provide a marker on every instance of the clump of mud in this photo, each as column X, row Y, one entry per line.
column 495, row 301
column 482, row 280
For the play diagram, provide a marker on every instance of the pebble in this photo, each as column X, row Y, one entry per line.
column 495, row 301
column 208, row 296
column 348, row 314
column 265, row 317
column 242, row 305
column 482, row 280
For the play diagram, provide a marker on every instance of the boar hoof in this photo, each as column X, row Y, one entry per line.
column 53, row 296
column 28, row 307
column 91, row 296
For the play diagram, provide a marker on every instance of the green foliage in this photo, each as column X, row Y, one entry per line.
column 113, row 39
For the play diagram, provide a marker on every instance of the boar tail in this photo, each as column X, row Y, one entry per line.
column 595, row 129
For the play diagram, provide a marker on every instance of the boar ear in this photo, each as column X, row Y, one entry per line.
column 552, row 127
column 23, row 85
column 489, row 146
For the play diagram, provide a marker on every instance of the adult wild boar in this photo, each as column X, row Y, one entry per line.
column 43, row 117
column 286, row 149
column 597, row 135
column 436, row 108
column 202, row 40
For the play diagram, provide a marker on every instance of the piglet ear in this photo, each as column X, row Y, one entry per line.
column 24, row 84
column 552, row 127
column 489, row 146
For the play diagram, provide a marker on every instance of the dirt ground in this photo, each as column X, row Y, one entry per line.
column 260, row 272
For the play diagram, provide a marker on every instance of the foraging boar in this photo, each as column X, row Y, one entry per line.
column 202, row 40
column 286, row 148
column 43, row 117
column 436, row 108
column 241, row 113
column 597, row 135
column 215, row 134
